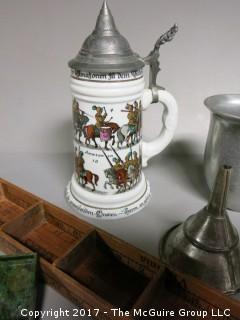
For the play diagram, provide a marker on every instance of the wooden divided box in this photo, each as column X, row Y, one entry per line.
column 107, row 277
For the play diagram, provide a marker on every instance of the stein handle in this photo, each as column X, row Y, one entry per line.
column 169, row 119
column 155, row 94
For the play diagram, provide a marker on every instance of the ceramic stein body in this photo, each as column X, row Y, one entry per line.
column 109, row 150
column 222, row 146
column 109, row 97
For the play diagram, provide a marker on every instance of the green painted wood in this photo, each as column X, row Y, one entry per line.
column 17, row 285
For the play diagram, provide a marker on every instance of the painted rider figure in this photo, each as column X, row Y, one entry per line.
column 79, row 118
column 79, row 163
column 100, row 117
column 132, row 118
column 75, row 107
column 82, row 120
column 132, row 159
column 119, row 171
column 137, row 113
column 118, row 165
column 136, row 162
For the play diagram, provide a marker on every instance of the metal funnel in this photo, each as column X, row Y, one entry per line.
column 207, row 245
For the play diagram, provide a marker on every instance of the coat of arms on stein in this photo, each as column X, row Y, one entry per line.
column 109, row 97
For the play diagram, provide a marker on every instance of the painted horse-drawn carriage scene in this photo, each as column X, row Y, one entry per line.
column 105, row 132
column 122, row 175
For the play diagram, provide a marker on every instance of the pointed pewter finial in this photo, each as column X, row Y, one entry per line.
column 106, row 50
column 105, row 22
column 105, row 6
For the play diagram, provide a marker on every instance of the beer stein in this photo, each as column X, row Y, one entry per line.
column 109, row 96
column 223, row 142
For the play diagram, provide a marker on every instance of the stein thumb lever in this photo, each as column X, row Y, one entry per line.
column 153, row 58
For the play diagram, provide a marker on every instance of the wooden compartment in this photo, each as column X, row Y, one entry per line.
column 41, row 230
column 93, row 263
column 13, row 202
column 166, row 293
column 186, row 298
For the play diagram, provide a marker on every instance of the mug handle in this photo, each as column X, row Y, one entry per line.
column 169, row 119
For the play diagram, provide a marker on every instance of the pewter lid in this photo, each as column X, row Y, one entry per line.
column 106, row 50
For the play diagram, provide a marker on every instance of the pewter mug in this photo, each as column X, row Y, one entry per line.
column 223, row 143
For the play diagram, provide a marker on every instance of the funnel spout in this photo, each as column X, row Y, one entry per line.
column 218, row 200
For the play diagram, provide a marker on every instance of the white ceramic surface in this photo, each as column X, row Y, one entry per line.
column 109, row 151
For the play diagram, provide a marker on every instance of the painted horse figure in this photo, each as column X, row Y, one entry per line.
column 85, row 176
column 124, row 134
column 131, row 132
column 91, row 132
column 133, row 175
column 91, row 178
column 116, row 178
